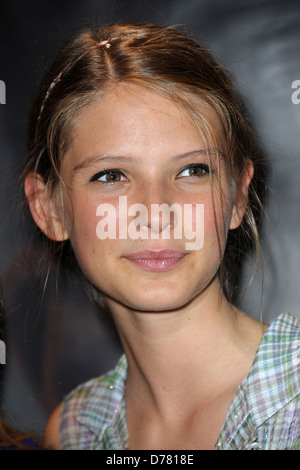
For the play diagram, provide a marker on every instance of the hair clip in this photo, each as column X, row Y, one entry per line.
column 105, row 43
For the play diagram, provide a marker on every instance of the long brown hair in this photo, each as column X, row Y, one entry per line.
column 168, row 61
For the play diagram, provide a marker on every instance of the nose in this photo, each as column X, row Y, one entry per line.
column 158, row 214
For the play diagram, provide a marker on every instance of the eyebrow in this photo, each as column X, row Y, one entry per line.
column 200, row 152
column 129, row 158
column 100, row 158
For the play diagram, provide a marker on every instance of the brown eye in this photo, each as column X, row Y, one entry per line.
column 112, row 177
column 108, row 176
column 196, row 170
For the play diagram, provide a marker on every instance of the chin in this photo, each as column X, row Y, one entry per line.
column 161, row 302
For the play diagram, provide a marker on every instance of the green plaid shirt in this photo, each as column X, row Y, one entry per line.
column 264, row 413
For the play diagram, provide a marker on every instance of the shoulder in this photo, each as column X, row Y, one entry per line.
column 265, row 411
column 285, row 328
column 282, row 336
column 51, row 433
column 280, row 346
column 277, row 358
column 63, row 421
column 274, row 382
column 63, row 428
column 90, row 407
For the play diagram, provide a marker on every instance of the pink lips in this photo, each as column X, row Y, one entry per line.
column 156, row 260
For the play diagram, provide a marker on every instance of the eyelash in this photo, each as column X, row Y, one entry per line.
column 205, row 169
column 110, row 171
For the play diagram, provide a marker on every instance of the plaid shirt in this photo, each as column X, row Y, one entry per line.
column 264, row 413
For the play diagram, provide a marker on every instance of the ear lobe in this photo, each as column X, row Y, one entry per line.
column 43, row 208
column 241, row 197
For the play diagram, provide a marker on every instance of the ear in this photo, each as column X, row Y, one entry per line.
column 43, row 208
column 240, row 199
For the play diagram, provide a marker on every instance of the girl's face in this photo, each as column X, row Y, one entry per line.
column 133, row 146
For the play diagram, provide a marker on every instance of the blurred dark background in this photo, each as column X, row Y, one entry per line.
column 56, row 343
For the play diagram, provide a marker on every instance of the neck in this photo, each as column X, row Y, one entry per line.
column 184, row 350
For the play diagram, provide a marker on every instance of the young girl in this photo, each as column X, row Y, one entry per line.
column 131, row 118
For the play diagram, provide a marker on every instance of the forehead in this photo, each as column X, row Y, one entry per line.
column 131, row 119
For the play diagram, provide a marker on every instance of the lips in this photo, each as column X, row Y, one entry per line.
column 156, row 260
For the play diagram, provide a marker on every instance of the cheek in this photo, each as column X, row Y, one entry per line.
column 94, row 232
column 84, row 226
column 82, row 223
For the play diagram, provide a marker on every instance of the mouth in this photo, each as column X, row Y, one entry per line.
column 156, row 260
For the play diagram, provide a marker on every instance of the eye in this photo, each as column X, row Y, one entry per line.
column 196, row 170
column 109, row 176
